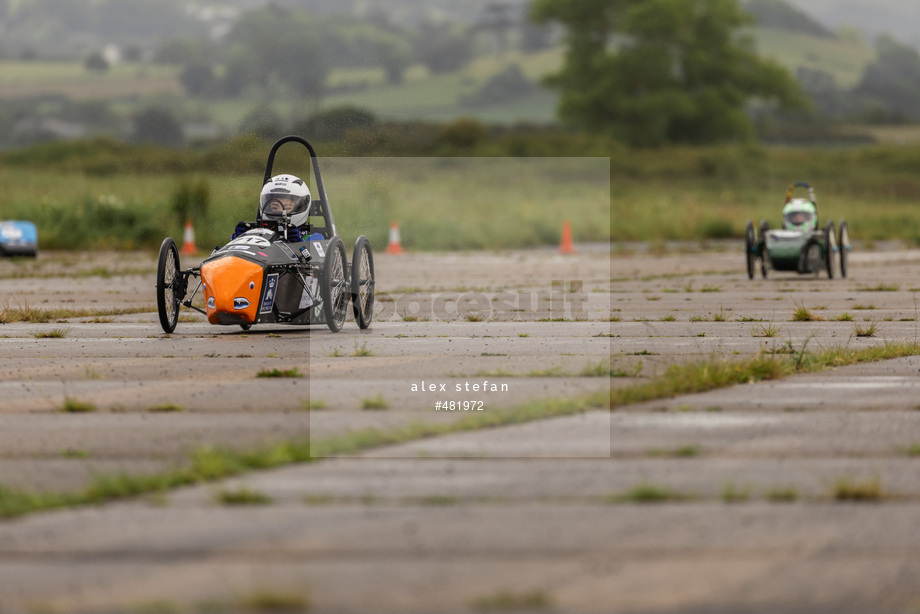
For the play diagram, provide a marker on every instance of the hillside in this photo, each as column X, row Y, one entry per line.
column 485, row 89
column 872, row 17
column 844, row 59
column 423, row 95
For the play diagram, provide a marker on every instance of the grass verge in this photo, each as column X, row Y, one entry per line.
column 718, row 373
column 41, row 315
column 209, row 464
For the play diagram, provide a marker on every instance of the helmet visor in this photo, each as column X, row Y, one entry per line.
column 797, row 219
column 280, row 202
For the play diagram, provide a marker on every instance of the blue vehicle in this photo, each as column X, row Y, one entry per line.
column 18, row 239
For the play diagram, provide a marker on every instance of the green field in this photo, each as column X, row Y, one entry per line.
column 710, row 193
column 122, row 197
column 422, row 96
column 471, row 203
column 440, row 203
column 73, row 80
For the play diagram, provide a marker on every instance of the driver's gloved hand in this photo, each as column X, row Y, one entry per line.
column 241, row 228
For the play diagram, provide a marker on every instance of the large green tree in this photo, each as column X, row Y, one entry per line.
column 657, row 71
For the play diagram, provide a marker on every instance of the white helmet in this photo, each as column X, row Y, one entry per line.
column 285, row 195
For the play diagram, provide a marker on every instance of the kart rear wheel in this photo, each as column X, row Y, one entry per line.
column 167, row 276
column 749, row 248
column 334, row 286
column 844, row 244
column 830, row 249
column 362, row 282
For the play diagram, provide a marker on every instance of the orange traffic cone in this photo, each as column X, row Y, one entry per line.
column 566, row 247
column 395, row 247
column 188, row 246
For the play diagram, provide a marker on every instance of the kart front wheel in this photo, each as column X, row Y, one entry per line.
column 362, row 282
column 749, row 248
column 830, row 249
column 844, row 244
column 167, row 276
column 334, row 288
column 764, row 227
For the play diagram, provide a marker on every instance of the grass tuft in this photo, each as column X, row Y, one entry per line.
column 165, row 408
column 647, row 493
column 74, row 453
column 733, row 494
column 242, row 496
column 504, row 601
column 846, row 489
column 54, row 333
column 376, row 402
column 879, row 288
column 159, row 606
column 687, row 451
column 599, row 369
column 722, row 316
column 73, row 406
column 766, row 330
column 272, row 601
column 867, row 330
column 279, row 373
column 803, row 314
column 438, row 500
column 782, row 494
column 317, row 405
column 363, row 350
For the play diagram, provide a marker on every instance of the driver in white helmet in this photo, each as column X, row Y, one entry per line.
column 284, row 205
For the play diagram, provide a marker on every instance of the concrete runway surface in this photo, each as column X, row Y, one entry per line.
column 521, row 518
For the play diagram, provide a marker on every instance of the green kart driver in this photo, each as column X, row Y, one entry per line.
column 801, row 215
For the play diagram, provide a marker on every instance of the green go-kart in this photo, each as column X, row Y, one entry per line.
column 801, row 246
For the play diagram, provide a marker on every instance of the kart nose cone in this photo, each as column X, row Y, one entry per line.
column 231, row 288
